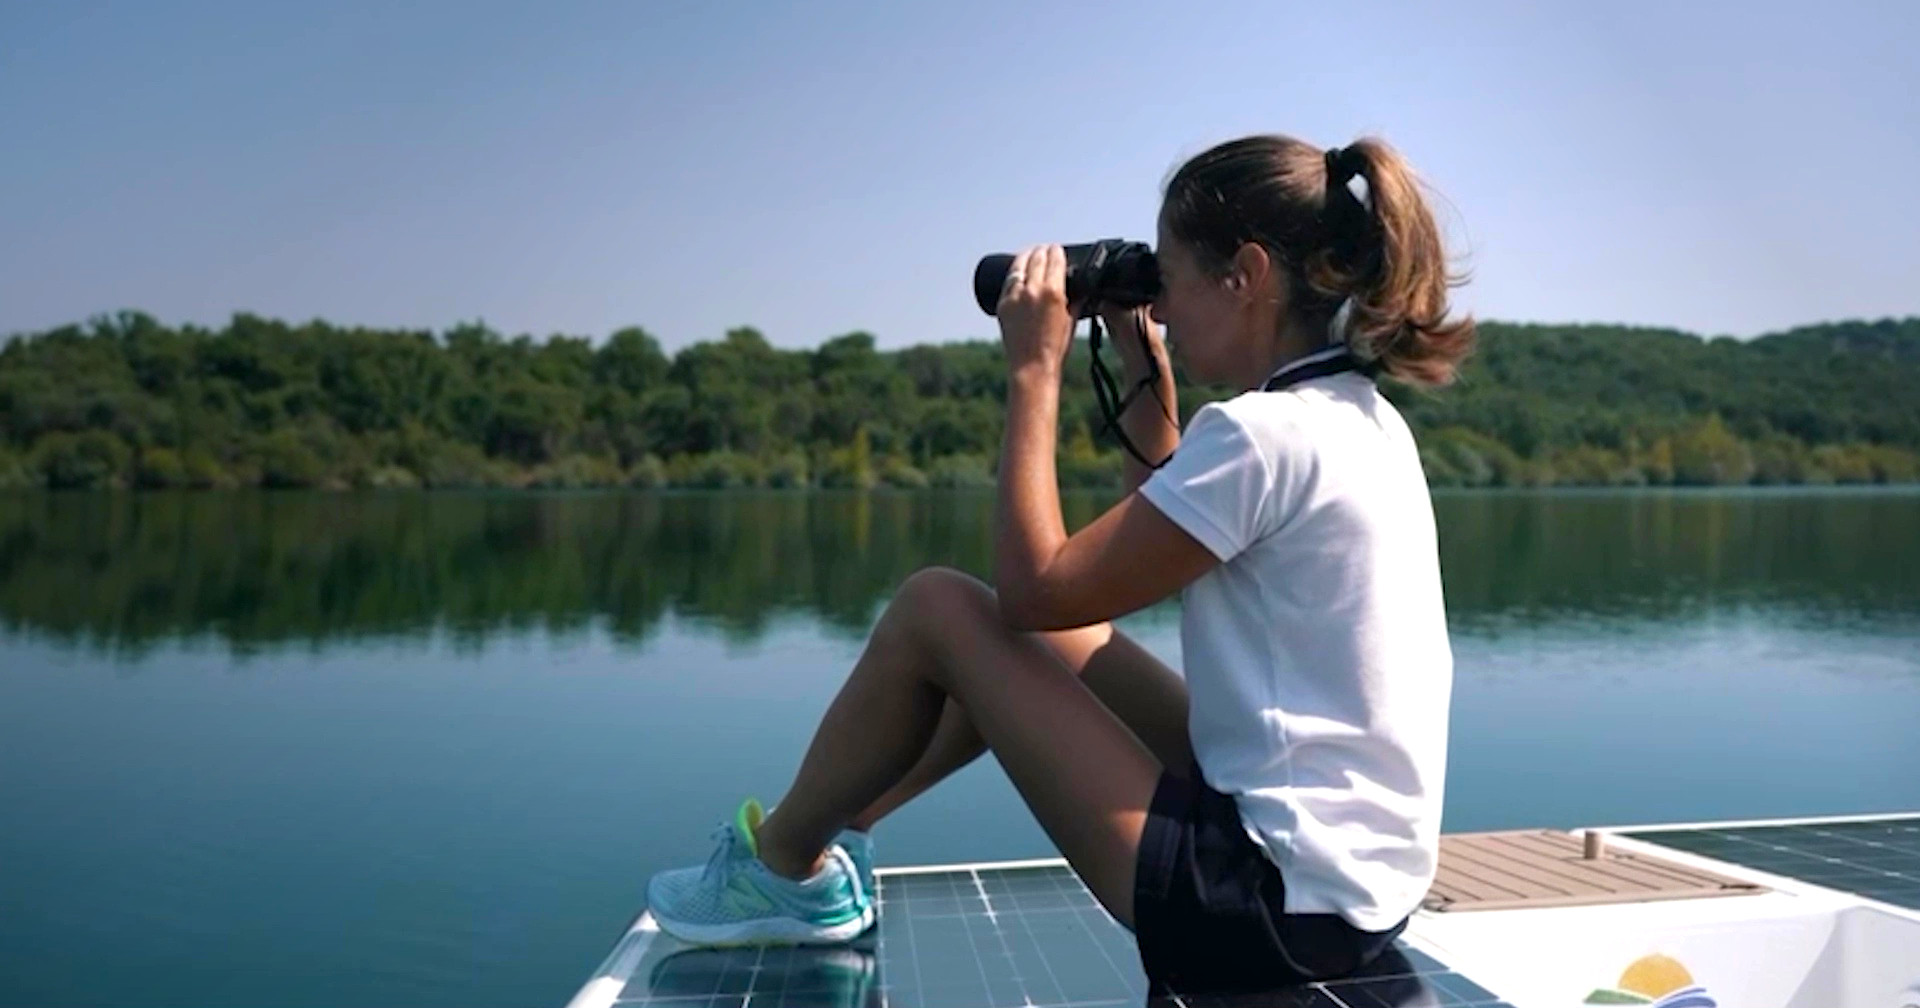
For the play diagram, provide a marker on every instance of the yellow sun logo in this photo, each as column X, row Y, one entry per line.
column 1655, row 977
column 1656, row 980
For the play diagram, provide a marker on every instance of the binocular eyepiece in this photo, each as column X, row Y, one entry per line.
column 1112, row 270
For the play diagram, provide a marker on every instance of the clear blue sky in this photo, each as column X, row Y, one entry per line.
column 812, row 169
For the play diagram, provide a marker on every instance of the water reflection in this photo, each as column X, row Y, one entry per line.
column 803, row 977
column 127, row 571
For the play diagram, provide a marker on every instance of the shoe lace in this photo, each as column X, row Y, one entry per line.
column 723, row 840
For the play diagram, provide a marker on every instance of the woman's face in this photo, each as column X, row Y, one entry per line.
column 1200, row 312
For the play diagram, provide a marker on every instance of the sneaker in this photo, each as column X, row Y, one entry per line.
column 859, row 848
column 735, row 899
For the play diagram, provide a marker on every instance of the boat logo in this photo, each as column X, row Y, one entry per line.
column 1655, row 980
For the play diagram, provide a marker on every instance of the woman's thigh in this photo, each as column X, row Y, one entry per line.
column 1147, row 696
column 1086, row 776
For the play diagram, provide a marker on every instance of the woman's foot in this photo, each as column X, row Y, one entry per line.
column 735, row 899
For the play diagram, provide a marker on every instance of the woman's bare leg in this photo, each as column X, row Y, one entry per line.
column 1087, row 778
column 1147, row 696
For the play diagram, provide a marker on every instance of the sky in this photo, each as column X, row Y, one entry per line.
column 812, row 169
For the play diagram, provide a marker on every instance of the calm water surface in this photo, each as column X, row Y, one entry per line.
column 426, row 749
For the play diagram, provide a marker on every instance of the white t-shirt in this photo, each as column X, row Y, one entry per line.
column 1316, row 654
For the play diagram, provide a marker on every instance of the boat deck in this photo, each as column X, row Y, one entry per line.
column 1030, row 935
column 1522, row 869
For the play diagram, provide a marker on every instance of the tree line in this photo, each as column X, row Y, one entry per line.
column 124, row 401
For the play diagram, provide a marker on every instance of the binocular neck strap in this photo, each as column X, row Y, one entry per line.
column 1106, row 392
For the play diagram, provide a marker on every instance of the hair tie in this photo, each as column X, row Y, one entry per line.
column 1343, row 164
column 1351, row 231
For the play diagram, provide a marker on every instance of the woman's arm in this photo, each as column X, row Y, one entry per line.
column 1128, row 558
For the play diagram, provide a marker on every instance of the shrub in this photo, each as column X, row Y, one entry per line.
column 287, row 462
column 959, row 471
column 1781, row 459
column 1892, row 465
column 849, row 468
column 896, row 471
column 1476, row 460
column 648, row 473
column 1439, row 469
column 1708, row 454
column 15, row 473
column 1844, row 463
column 578, row 472
column 456, row 465
column 1590, row 466
column 205, row 472
column 713, row 471
column 787, row 471
column 90, row 460
column 390, row 477
column 160, row 468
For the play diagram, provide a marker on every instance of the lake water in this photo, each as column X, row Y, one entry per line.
column 425, row 750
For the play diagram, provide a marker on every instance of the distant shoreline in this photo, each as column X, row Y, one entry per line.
column 128, row 403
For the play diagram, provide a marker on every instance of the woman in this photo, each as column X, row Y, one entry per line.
column 1274, row 817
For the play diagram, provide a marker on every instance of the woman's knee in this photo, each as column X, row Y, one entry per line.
column 942, row 595
column 949, row 614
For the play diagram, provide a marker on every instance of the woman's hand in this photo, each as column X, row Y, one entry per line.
column 1036, row 325
column 1126, row 327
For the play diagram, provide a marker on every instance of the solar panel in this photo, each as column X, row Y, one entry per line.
column 1875, row 858
column 989, row 937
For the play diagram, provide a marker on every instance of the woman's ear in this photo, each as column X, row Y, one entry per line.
column 1249, row 269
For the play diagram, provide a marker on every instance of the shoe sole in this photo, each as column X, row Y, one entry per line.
column 768, row 931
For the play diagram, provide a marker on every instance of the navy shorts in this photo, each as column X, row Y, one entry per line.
column 1207, row 904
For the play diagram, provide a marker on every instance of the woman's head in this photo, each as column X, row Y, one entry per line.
column 1261, row 241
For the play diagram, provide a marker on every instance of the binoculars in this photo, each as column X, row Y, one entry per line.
column 1111, row 271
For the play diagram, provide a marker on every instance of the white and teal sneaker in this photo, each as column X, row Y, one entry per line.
column 735, row 899
column 859, row 848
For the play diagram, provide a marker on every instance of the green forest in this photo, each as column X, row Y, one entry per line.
column 125, row 401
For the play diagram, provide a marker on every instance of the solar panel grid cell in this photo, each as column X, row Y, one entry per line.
column 1878, row 859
